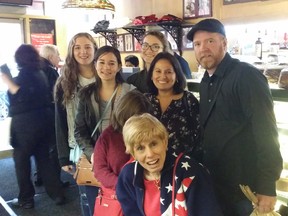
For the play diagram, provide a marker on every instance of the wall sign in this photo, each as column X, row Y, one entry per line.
column 42, row 31
column 37, row 40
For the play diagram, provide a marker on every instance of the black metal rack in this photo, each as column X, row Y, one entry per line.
column 174, row 28
column 137, row 31
column 109, row 34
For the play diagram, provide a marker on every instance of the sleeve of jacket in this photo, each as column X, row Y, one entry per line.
column 257, row 103
column 82, row 132
column 200, row 196
column 126, row 193
column 61, row 128
column 102, row 170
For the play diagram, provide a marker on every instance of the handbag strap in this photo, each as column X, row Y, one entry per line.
column 173, row 183
column 105, row 111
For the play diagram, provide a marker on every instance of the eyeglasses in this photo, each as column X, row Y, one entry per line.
column 153, row 47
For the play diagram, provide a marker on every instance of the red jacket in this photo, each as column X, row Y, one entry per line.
column 109, row 157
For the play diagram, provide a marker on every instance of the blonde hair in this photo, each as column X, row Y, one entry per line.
column 47, row 50
column 139, row 128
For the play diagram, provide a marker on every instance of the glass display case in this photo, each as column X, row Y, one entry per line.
column 280, row 109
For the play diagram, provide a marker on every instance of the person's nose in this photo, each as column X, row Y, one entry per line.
column 83, row 50
column 106, row 66
column 203, row 46
column 149, row 152
column 163, row 75
column 149, row 50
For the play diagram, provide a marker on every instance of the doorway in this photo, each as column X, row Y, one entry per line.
column 10, row 40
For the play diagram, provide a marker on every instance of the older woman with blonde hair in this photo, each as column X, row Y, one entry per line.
column 154, row 184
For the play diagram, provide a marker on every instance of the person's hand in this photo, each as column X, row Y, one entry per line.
column 5, row 78
column 12, row 87
column 69, row 169
column 265, row 203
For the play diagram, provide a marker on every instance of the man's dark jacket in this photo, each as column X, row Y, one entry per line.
column 240, row 137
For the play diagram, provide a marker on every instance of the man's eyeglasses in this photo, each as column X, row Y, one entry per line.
column 153, row 47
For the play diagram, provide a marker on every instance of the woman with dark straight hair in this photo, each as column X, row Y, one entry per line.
column 175, row 107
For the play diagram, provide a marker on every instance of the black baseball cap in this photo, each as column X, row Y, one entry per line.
column 210, row 25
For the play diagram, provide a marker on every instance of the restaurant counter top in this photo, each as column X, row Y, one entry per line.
column 278, row 94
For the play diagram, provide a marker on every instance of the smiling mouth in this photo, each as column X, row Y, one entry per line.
column 106, row 73
column 162, row 82
column 82, row 57
column 150, row 56
column 154, row 162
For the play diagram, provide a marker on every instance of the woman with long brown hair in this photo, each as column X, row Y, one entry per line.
column 77, row 72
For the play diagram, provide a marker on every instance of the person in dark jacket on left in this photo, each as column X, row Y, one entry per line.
column 31, row 127
column 50, row 60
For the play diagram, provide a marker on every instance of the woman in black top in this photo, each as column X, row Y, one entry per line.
column 31, row 126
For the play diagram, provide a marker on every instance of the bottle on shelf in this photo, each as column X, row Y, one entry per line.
column 258, row 48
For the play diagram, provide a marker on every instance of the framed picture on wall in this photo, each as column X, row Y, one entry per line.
column 197, row 8
column 120, row 42
column 186, row 44
column 137, row 45
column 128, row 39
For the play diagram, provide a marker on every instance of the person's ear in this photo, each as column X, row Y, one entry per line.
column 225, row 42
column 50, row 58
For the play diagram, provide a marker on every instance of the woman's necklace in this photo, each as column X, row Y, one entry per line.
column 157, row 183
column 155, row 178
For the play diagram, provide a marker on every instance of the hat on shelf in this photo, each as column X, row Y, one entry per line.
column 210, row 25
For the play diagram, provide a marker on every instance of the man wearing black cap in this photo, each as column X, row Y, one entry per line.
column 240, row 138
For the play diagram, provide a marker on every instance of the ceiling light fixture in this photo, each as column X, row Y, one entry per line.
column 89, row 4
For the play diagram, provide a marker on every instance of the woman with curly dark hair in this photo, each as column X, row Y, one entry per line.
column 31, row 127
